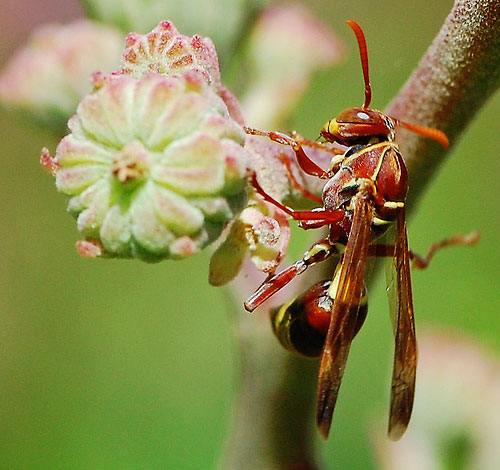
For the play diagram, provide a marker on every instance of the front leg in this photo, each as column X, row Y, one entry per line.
column 297, row 143
column 283, row 157
column 319, row 216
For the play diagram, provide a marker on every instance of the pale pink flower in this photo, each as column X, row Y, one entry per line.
column 166, row 51
column 286, row 46
column 155, row 166
column 262, row 231
column 49, row 76
column 456, row 408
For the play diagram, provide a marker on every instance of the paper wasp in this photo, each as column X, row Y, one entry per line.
column 364, row 194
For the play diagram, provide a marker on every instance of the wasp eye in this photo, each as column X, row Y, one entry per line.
column 363, row 115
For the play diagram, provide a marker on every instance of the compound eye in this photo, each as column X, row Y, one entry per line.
column 358, row 116
column 363, row 116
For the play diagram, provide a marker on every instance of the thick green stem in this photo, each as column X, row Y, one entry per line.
column 273, row 415
column 273, row 420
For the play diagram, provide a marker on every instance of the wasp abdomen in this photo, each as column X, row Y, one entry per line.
column 301, row 325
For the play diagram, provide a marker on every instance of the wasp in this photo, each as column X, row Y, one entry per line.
column 364, row 194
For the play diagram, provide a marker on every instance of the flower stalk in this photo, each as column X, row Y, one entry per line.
column 456, row 76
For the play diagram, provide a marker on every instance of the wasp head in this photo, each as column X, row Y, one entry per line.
column 358, row 126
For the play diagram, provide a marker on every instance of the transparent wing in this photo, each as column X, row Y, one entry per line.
column 344, row 320
column 405, row 354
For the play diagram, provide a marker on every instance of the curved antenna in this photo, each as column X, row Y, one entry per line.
column 360, row 36
column 430, row 132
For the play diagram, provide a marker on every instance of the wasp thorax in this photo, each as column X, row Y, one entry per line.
column 358, row 126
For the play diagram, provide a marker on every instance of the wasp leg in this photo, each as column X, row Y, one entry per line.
column 297, row 143
column 319, row 252
column 284, row 159
column 320, row 216
column 419, row 261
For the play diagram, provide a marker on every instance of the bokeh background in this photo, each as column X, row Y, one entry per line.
column 124, row 365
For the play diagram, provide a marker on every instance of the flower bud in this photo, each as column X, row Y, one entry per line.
column 261, row 230
column 166, row 51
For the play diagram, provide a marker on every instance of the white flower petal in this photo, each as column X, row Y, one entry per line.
column 192, row 167
column 176, row 213
column 74, row 180
column 148, row 231
column 115, row 231
column 73, row 151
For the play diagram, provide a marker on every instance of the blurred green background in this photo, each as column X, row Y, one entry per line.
column 123, row 365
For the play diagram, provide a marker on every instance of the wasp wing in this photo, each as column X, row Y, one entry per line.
column 344, row 321
column 405, row 354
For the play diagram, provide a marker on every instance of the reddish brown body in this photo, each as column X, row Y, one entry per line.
column 380, row 164
column 364, row 194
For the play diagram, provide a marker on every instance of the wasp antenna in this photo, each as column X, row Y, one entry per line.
column 430, row 132
column 363, row 53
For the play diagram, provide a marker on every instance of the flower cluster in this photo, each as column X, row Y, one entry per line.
column 46, row 79
column 154, row 165
column 165, row 51
column 156, row 161
column 456, row 410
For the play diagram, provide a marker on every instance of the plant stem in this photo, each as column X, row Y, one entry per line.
column 456, row 76
column 273, row 419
